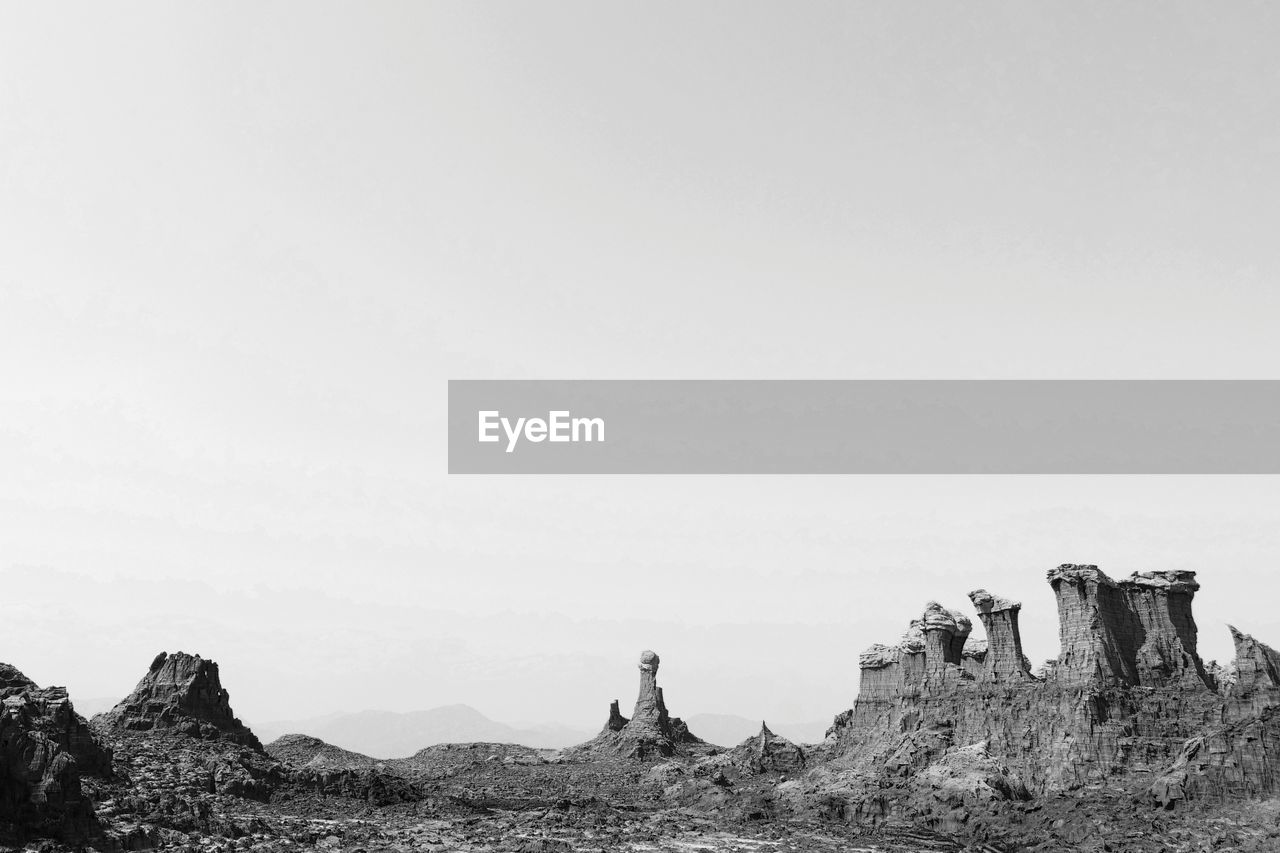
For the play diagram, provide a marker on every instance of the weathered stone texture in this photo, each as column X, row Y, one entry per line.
column 182, row 692
column 767, row 752
column 1255, row 685
column 45, row 746
column 1004, row 658
column 1230, row 764
column 1126, row 694
column 651, row 730
column 1135, row 632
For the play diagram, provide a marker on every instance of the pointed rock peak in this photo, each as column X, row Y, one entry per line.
column 767, row 752
column 182, row 692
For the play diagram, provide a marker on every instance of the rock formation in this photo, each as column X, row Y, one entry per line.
column 184, row 693
column 1126, row 696
column 1135, row 632
column 1253, row 684
column 1238, row 758
column 767, row 752
column 651, row 730
column 45, row 746
column 1237, row 762
column 1002, row 652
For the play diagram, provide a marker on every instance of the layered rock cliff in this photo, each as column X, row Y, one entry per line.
column 1128, row 698
column 184, row 693
column 1135, row 632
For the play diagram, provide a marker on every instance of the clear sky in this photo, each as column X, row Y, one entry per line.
column 244, row 245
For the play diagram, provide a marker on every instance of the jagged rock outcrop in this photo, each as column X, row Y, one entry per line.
column 651, row 730
column 616, row 721
column 1125, row 695
column 45, row 746
column 184, row 693
column 767, row 752
column 1240, row 757
column 1237, row 762
column 965, row 779
column 1253, row 681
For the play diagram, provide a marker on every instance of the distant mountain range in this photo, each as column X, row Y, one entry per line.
column 389, row 734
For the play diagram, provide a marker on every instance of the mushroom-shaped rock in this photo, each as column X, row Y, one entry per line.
column 999, row 616
column 945, row 632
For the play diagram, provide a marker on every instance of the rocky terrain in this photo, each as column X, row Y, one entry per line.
column 1127, row 741
column 389, row 734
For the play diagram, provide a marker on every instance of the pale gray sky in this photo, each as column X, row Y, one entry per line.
column 245, row 244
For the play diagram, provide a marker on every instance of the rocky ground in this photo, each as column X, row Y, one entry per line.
column 1126, row 742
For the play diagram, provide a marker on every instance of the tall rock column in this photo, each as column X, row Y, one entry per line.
column 1134, row 632
column 1004, row 660
column 1161, row 604
column 945, row 632
column 1098, row 632
column 649, row 705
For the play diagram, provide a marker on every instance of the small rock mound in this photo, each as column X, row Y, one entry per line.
column 767, row 752
column 964, row 780
column 184, row 693
column 307, row 751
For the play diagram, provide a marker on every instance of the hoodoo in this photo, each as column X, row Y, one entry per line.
column 1128, row 697
column 1002, row 655
column 651, row 730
